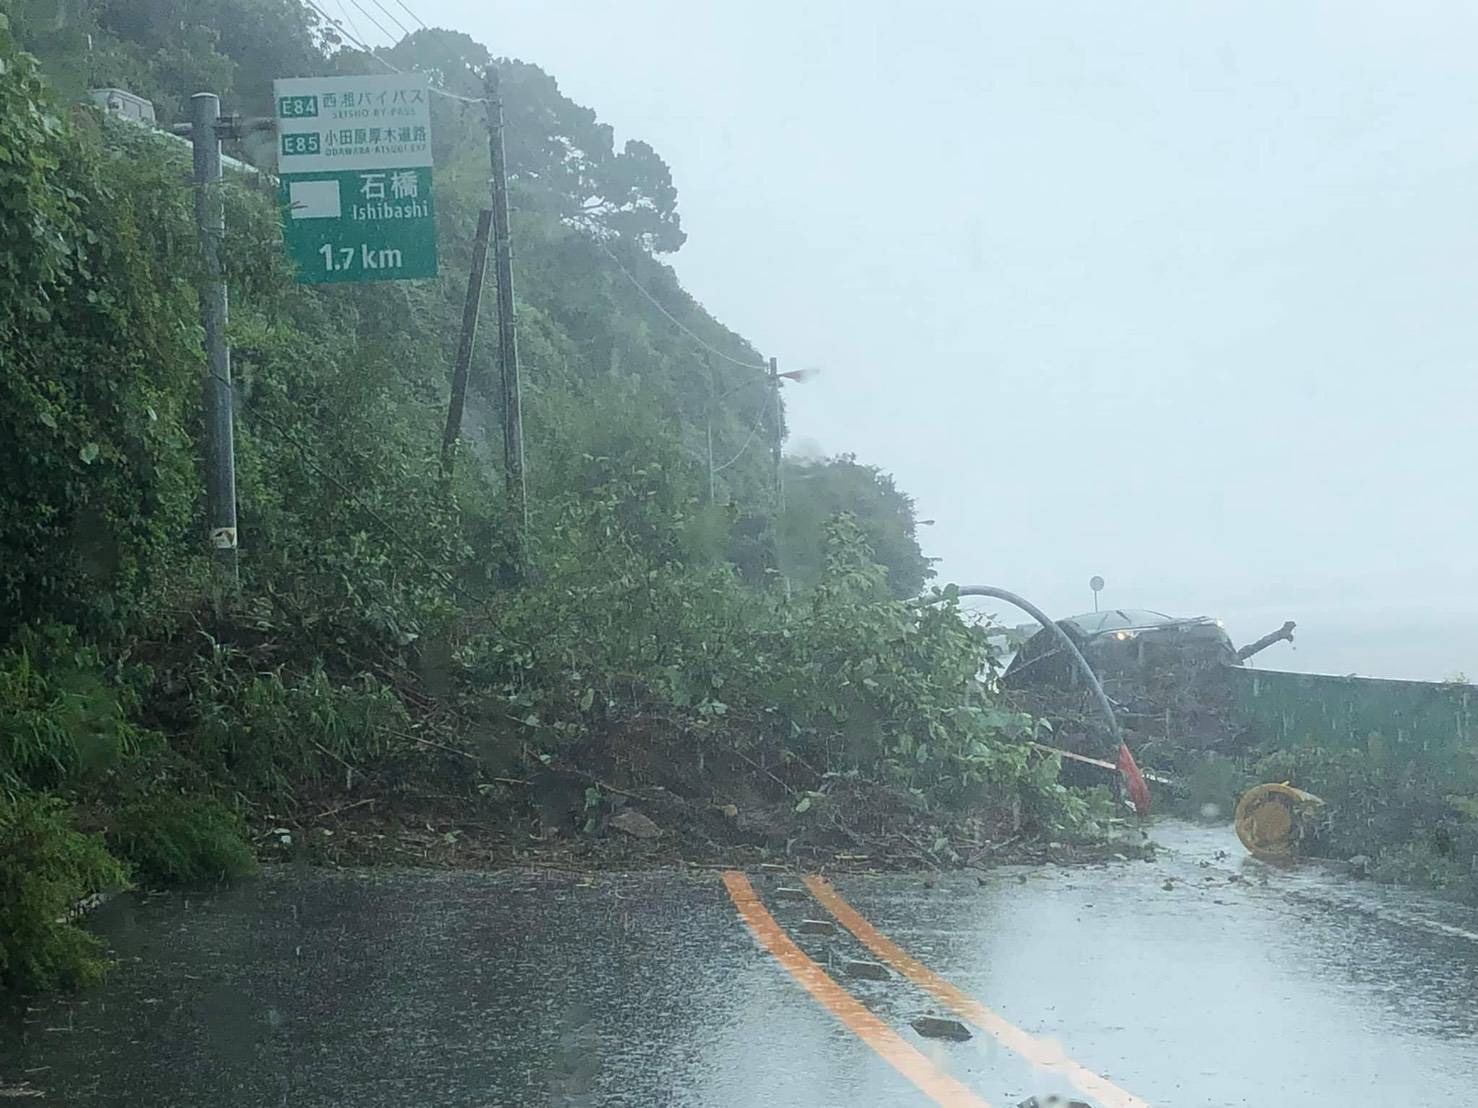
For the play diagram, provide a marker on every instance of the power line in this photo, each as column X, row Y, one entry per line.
column 753, row 431
column 404, row 30
column 354, row 37
column 674, row 320
column 390, row 39
column 413, row 15
column 340, row 22
column 354, row 40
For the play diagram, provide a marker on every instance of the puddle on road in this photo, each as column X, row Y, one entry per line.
column 1210, row 978
column 313, row 988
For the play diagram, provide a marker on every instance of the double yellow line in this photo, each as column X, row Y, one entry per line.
column 902, row 1056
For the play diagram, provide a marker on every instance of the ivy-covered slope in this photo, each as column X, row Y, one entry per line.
column 751, row 677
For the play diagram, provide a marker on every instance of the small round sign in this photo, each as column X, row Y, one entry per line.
column 1095, row 583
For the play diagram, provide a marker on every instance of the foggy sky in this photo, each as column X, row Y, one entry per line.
column 1177, row 293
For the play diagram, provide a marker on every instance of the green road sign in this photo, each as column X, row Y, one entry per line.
column 360, row 224
column 354, row 161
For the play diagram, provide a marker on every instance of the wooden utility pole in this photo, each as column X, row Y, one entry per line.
column 469, row 336
column 507, row 338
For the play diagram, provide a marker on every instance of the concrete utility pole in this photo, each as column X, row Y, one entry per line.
column 779, row 439
column 210, row 218
column 464, row 346
column 712, row 400
column 712, row 477
column 507, row 338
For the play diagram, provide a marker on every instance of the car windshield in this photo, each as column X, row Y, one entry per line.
column 1118, row 619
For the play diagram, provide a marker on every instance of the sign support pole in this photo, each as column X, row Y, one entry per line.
column 210, row 219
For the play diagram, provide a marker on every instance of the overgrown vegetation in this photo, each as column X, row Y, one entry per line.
column 659, row 622
column 169, row 839
column 1412, row 820
column 46, row 868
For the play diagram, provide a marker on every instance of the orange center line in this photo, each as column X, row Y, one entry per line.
column 1040, row 1053
column 936, row 1085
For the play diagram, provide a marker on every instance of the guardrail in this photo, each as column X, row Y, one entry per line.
column 1416, row 720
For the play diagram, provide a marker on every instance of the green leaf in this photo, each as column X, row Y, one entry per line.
column 804, row 804
column 587, row 700
column 88, row 453
column 48, row 420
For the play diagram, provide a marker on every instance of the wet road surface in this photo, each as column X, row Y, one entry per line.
column 1203, row 978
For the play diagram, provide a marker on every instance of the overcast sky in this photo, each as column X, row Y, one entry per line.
column 1180, row 293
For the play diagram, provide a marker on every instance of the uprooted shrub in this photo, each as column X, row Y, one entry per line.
column 170, row 839
column 1415, row 818
column 271, row 734
column 46, row 868
column 64, row 714
column 842, row 680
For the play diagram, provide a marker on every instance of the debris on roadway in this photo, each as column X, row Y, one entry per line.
column 1271, row 819
column 817, row 927
column 869, row 971
column 635, row 824
column 937, row 1027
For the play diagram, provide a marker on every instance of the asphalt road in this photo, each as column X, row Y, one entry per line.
column 1203, row 978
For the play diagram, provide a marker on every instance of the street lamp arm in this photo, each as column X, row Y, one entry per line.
column 1062, row 637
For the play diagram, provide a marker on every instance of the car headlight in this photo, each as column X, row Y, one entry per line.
column 1125, row 636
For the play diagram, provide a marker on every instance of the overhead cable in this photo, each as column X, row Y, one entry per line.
column 390, row 39
column 674, row 320
column 753, row 431
column 413, row 15
column 358, row 42
column 392, row 17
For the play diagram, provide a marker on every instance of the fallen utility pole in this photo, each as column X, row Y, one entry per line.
column 206, row 126
column 513, row 458
column 464, row 346
column 1283, row 633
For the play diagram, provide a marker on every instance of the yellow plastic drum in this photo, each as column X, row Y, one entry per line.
column 1268, row 819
